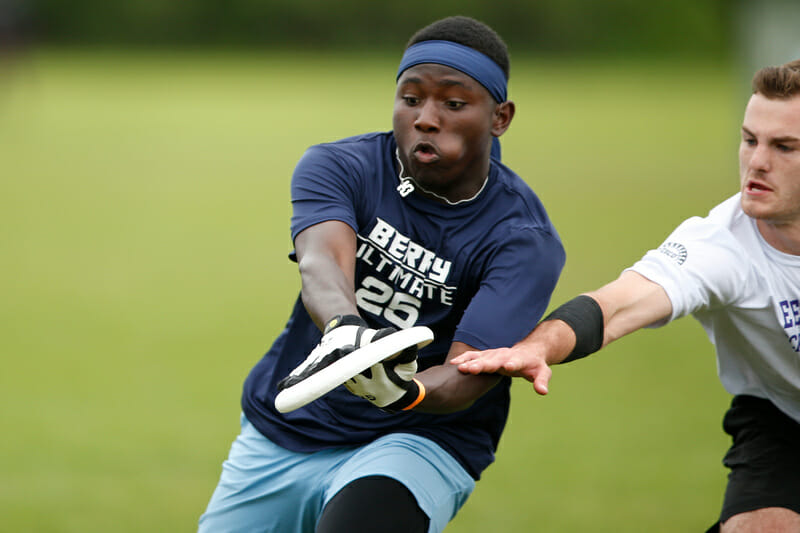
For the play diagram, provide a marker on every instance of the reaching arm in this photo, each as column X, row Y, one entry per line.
column 326, row 256
column 629, row 303
column 449, row 390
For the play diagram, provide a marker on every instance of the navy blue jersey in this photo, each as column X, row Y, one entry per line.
column 480, row 272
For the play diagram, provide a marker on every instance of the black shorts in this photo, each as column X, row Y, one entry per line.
column 764, row 460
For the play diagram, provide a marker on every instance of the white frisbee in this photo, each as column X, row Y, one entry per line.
column 350, row 365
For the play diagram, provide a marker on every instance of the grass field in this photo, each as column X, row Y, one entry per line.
column 144, row 212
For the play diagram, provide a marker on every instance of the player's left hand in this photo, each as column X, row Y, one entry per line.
column 517, row 361
column 342, row 335
column 390, row 384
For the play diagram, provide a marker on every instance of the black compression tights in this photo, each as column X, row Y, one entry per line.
column 373, row 504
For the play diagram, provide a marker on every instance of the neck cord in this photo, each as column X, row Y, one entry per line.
column 408, row 184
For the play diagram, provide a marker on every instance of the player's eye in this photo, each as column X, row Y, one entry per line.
column 411, row 100
column 455, row 104
column 784, row 148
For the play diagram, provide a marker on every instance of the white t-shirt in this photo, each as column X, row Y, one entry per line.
column 744, row 292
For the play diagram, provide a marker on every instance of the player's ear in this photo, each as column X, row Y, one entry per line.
column 502, row 116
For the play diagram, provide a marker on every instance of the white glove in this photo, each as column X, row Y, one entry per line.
column 342, row 335
column 389, row 384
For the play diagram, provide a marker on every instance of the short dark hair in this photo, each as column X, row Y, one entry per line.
column 781, row 82
column 468, row 32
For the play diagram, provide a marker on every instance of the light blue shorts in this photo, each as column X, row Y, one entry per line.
column 266, row 488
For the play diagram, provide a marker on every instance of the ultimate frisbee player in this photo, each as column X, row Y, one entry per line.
column 418, row 226
column 738, row 272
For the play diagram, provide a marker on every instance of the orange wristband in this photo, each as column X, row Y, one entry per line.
column 419, row 398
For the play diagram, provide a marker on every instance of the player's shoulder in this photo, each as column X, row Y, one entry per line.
column 512, row 184
column 723, row 216
column 725, row 236
column 728, row 212
column 515, row 195
column 726, row 221
column 357, row 154
column 358, row 144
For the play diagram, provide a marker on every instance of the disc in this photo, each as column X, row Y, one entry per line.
column 333, row 375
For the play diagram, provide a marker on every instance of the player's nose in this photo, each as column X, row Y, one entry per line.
column 427, row 118
column 760, row 158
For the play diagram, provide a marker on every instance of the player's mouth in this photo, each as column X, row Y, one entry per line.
column 756, row 188
column 425, row 153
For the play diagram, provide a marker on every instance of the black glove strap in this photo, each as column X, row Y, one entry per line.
column 344, row 320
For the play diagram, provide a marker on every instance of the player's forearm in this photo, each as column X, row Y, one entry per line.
column 448, row 391
column 629, row 303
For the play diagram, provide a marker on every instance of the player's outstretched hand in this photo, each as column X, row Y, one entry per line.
column 342, row 335
column 515, row 362
column 390, row 384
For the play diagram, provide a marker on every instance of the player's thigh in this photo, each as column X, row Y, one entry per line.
column 769, row 519
column 437, row 481
column 264, row 487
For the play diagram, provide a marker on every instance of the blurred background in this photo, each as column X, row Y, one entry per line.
column 145, row 154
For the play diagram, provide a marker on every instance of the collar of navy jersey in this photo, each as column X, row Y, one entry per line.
column 408, row 184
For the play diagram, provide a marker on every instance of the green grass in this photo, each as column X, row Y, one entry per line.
column 144, row 212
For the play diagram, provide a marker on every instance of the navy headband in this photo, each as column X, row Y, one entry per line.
column 468, row 60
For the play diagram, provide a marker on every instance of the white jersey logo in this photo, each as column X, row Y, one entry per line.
column 675, row 251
